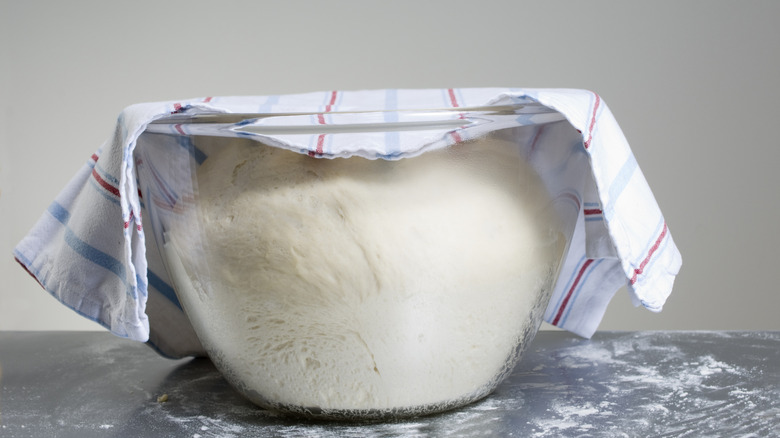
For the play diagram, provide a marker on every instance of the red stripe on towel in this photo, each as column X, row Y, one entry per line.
column 571, row 291
column 321, row 120
column 103, row 183
column 638, row 271
column 592, row 121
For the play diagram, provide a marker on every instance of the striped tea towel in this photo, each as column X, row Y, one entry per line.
column 89, row 248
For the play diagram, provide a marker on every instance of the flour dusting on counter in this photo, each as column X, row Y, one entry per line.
column 660, row 386
column 680, row 384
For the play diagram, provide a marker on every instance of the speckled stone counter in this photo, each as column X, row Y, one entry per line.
column 84, row 384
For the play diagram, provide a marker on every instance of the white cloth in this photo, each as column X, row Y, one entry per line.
column 89, row 248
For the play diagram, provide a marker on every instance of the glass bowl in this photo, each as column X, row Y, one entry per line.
column 358, row 285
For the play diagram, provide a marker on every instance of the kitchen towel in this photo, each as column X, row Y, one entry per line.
column 90, row 251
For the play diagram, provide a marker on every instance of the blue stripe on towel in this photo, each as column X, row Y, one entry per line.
column 164, row 288
column 85, row 250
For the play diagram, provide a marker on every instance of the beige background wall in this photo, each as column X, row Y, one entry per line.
column 693, row 85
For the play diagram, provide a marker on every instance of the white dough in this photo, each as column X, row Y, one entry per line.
column 359, row 284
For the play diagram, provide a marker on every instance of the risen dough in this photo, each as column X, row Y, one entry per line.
column 357, row 284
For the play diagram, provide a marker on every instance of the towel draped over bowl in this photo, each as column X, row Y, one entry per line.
column 90, row 250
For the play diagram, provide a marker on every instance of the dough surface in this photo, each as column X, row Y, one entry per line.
column 360, row 284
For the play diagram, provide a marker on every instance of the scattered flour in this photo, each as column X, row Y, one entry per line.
column 212, row 426
column 658, row 388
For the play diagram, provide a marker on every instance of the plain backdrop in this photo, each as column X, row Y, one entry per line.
column 693, row 84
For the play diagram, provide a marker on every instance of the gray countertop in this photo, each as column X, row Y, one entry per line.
column 83, row 384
